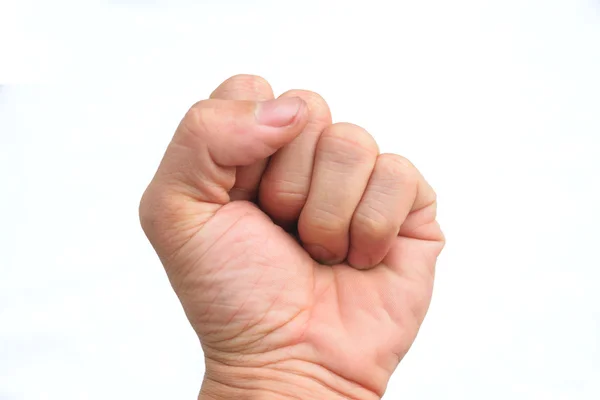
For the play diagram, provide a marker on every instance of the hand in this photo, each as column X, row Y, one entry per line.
column 273, row 322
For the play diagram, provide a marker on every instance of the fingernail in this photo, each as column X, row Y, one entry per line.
column 279, row 112
column 360, row 261
column 320, row 254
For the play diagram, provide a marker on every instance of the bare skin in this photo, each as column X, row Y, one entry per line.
column 303, row 258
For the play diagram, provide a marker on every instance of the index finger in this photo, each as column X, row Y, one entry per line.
column 253, row 88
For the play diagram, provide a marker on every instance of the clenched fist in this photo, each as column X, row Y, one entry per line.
column 303, row 258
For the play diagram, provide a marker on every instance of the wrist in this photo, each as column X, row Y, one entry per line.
column 278, row 381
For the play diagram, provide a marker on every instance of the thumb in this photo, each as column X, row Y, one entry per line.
column 216, row 135
column 198, row 169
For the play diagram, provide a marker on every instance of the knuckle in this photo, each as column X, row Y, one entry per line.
column 199, row 106
column 285, row 192
column 198, row 116
column 144, row 213
column 253, row 86
column 370, row 223
column 430, row 198
column 163, row 213
column 398, row 167
column 150, row 209
column 349, row 138
column 322, row 220
column 247, row 80
column 318, row 107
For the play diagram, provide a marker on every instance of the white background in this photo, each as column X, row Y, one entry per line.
column 497, row 102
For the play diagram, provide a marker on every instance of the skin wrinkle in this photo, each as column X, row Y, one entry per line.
column 234, row 385
column 216, row 180
column 319, row 382
column 343, row 162
column 167, row 259
column 413, row 229
column 149, row 219
column 372, row 219
column 283, row 186
column 362, row 143
column 329, row 222
column 248, row 296
column 385, row 187
column 250, row 326
column 278, row 366
column 212, row 304
column 275, row 301
column 262, row 335
column 344, row 379
column 215, row 242
column 221, row 289
column 194, row 286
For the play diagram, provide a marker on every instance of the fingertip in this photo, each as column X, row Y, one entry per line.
column 361, row 260
column 317, row 107
column 322, row 255
column 244, row 87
